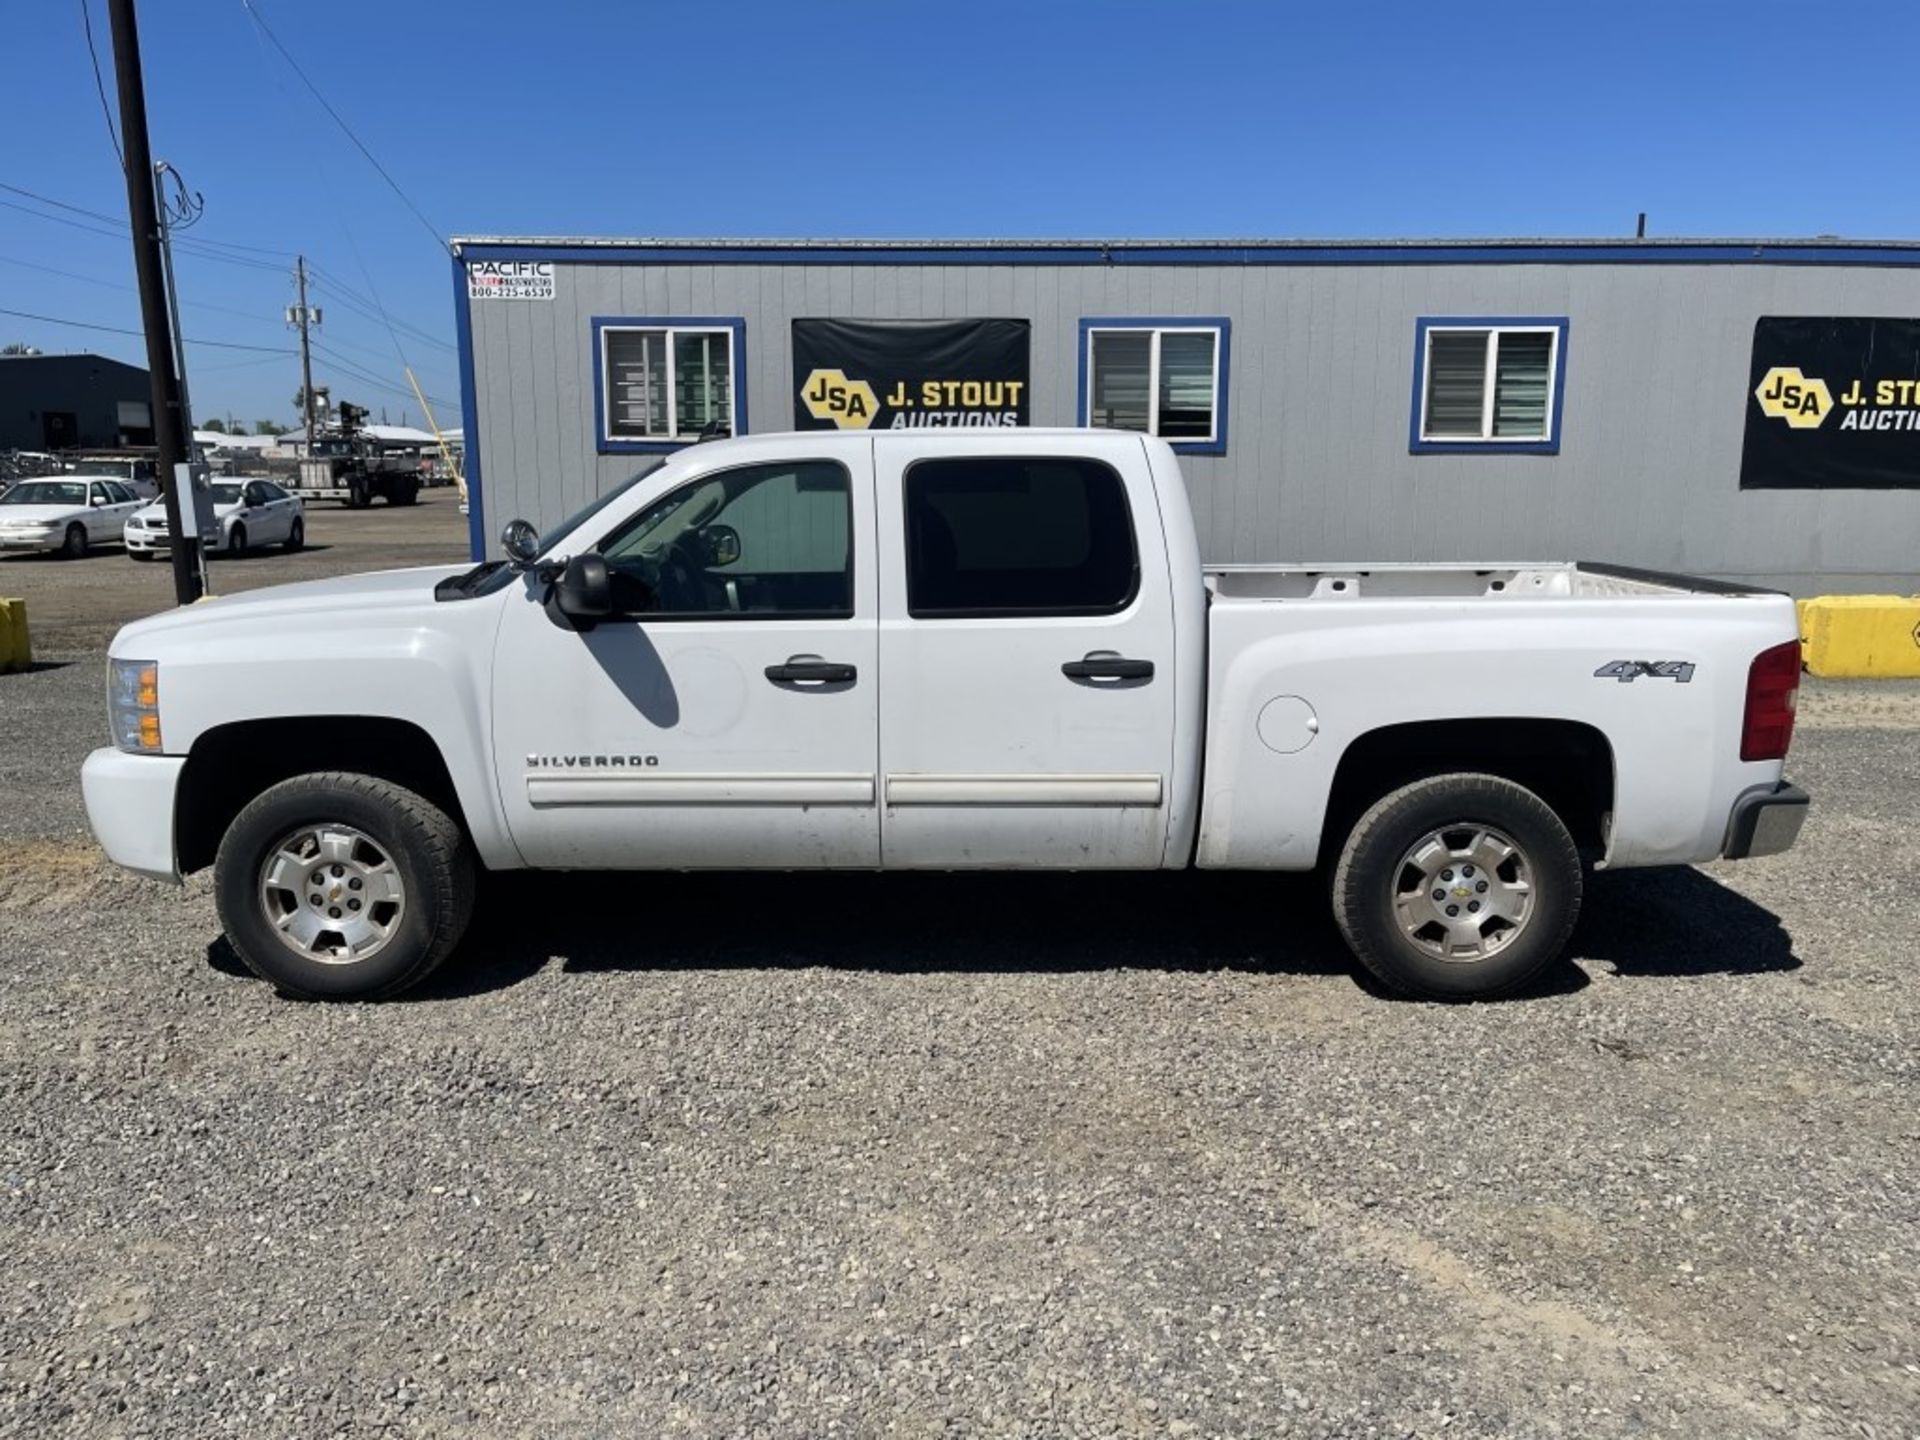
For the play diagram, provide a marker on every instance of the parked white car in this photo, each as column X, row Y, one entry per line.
column 942, row 650
column 246, row 513
column 71, row 514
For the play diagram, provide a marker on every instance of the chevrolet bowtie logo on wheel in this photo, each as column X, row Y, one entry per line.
column 830, row 395
column 1800, row 400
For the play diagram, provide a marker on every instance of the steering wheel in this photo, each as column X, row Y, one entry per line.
column 680, row 588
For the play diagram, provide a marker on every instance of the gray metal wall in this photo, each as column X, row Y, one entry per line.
column 90, row 387
column 1317, row 467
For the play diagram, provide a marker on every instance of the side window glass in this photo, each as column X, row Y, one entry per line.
column 1012, row 536
column 765, row 540
column 97, row 493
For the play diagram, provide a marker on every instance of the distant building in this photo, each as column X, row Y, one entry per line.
column 65, row 402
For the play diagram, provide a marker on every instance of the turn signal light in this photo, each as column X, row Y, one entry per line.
column 133, row 705
column 1773, row 688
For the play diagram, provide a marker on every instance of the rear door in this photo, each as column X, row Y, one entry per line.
column 1026, row 640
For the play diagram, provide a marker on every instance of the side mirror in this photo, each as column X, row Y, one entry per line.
column 584, row 591
column 521, row 542
column 722, row 544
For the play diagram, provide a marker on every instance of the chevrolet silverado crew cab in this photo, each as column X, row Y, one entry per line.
column 940, row 651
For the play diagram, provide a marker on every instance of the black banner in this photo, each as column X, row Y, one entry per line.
column 908, row 374
column 1832, row 404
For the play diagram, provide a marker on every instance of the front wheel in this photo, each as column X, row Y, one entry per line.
column 338, row 886
column 74, row 545
column 237, row 540
column 1457, row 887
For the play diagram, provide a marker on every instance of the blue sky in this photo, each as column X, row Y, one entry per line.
column 811, row 118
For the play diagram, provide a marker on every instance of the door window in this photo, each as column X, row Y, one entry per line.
column 99, row 494
column 764, row 541
column 1048, row 535
column 118, row 493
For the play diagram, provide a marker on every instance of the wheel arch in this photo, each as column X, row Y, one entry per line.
column 1567, row 763
column 230, row 764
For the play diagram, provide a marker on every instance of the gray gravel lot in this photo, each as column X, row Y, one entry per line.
column 1016, row 1155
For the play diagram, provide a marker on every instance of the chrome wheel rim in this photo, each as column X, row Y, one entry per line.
column 332, row 894
column 1463, row 893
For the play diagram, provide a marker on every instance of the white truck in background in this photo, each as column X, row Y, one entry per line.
column 937, row 651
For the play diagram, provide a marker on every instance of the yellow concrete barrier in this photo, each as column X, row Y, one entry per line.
column 16, row 645
column 1861, row 636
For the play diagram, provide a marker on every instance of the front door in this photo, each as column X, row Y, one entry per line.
column 727, row 715
column 1027, row 717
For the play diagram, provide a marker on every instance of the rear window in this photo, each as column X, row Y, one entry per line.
column 1044, row 535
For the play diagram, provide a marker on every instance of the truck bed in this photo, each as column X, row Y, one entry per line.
column 1584, row 579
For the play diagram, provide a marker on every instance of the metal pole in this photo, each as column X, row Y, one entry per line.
column 168, row 434
column 196, row 549
column 306, row 356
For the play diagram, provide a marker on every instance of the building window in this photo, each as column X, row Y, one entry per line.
column 664, row 383
column 1165, row 377
column 1488, row 386
column 993, row 535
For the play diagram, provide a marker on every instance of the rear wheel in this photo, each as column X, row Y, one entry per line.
column 339, row 886
column 297, row 534
column 74, row 545
column 1457, row 887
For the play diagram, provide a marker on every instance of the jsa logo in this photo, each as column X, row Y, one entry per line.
column 1801, row 400
column 830, row 395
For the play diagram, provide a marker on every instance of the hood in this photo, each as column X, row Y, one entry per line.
column 12, row 515
column 158, row 510
column 292, row 604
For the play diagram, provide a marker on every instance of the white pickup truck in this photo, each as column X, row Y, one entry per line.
column 941, row 651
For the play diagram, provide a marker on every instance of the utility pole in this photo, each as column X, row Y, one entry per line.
column 302, row 317
column 196, row 550
column 168, row 422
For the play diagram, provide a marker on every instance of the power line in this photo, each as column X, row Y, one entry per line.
column 367, row 312
column 392, row 184
column 116, row 285
column 86, row 20
column 118, row 330
column 367, row 378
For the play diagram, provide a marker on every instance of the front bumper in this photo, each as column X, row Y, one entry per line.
column 1765, row 821
column 130, row 808
column 31, row 542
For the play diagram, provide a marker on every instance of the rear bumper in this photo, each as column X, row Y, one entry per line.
column 1765, row 821
column 130, row 800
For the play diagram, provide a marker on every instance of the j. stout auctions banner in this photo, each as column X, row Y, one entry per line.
column 1833, row 404
column 908, row 374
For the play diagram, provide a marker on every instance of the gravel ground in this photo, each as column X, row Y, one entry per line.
column 1018, row 1156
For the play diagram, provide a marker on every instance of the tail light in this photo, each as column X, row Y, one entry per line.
column 1773, row 683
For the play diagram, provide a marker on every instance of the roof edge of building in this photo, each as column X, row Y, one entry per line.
column 1622, row 243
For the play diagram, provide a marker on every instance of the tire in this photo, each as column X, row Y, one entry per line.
column 73, row 545
column 296, row 535
column 143, row 556
column 1472, row 818
column 358, row 496
column 421, row 890
column 237, row 540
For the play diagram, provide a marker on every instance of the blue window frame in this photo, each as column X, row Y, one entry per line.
column 659, row 381
column 1488, row 385
column 1160, row 375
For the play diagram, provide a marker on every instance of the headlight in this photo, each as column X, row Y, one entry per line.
column 133, row 705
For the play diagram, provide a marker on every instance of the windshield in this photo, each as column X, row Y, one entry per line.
column 493, row 575
column 47, row 492
column 224, row 494
column 593, row 508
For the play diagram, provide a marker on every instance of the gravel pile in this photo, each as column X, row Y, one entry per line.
column 1009, row 1156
